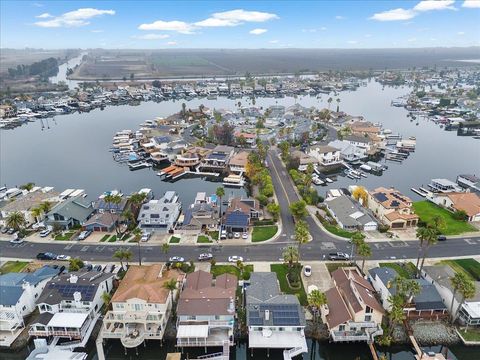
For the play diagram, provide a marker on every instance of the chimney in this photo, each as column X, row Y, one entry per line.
column 231, row 306
column 73, row 279
column 267, row 315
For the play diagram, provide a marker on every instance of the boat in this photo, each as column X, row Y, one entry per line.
column 234, row 180
column 349, row 175
column 111, row 193
column 328, row 180
column 419, row 192
column 363, row 174
column 365, row 167
column 317, row 181
column 138, row 165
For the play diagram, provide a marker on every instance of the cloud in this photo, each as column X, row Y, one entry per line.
column 340, row 17
column 151, row 36
column 258, row 31
column 44, row 16
column 461, row 33
column 472, row 4
column 178, row 26
column 74, row 18
column 352, row 42
column 412, row 40
column 235, row 18
column 428, row 5
column 274, row 41
column 96, row 31
column 368, row 35
column 172, row 43
column 394, row 15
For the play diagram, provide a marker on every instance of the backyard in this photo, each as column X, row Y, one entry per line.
column 281, row 270
column 427, row 211
column 470, row 267
column 13, row 266
column 405, row 270
column 263, row 233
column 217, row 270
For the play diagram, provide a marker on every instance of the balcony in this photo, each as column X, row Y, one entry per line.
column 366, row 334
column 216, row 337
column 133, row 336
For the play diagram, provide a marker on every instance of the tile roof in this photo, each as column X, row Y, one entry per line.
column 468, row 202
column 391, row 198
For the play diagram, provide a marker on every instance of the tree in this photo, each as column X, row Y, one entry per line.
column 396, row 316
column 460, row 215
column 430, row 239
column 220, row 192
column 46, row 206
column 290, row 255
column 171, row 286
column 316, row 300
column 465, row 287
column 299, row 209
column 301, row 234
column 274, row 210
column 284, row 147
column 137, row 235
column 329, row 102
column 75, row 264
column 113, row 200
column 137, row 200
column 338, row 104
column 37, row 213
column 423, row 234
column 184, row 110
column 165, row 248
column 28, row 186
column 365, row 251
column 361, row 195
column 123, row 254
column 357, row 239
column 16, row 220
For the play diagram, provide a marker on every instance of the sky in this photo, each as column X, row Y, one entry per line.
column 239, row 24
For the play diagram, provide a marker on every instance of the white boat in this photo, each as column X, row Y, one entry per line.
column 328, row 180
column 365, row 167
column 112, row 193
column 234, row 180
column 317, row 181
column 139, row 165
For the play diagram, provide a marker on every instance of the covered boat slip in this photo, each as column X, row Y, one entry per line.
column 268, row 339
column 201, row 335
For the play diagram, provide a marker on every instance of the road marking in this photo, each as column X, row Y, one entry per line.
column 85, row 248
column 69, row 246
column 471, row 242
column 327, row 245
column 279, row 179
column 398, row 243
column 99, row 248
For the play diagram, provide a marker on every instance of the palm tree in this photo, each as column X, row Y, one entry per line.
column 357, row 239
column 171, row 285
column 396, row 316
column 75, row 264
column 290, row 255
column 430, row 240
column 36, row 213
column 137, row 200
column 364, row 250
column 137, row 235
column 28, row 186
column 338, row 104
column 46, row 206
column 123, row 254
column 165, row 248
column 113, row 200
column 423, row 234
column 106, row 297
column 329, row 102
column 16, row 220
column 301, row 234
column 220, row 192
column 316, row 300
column 465, row 287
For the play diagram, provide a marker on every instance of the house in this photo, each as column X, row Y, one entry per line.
column 142, row 305
column 352, row 312
column 359, row 141
column 202, row 216
column 206, row 310
column 274, row 320
column 303, row 159
column 27, row 201
column 101, row 206
column 105, row 222
column 349, row 152
column 70, row 304
column 439, row 276
column 7, row 111
column 218, row 158
column 161, row 214
column 456, row 201
column 392, row 208
column 469, row 182
column 326, row 155
column 426, row 305
column 238, row 162
column 241, row 213
column 18, row 295
column 349, row 214
column 70, row 212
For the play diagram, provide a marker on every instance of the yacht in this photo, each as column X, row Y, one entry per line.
column 234, row 180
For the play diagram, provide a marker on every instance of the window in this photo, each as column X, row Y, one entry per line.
column 368, row 310
column 341, row 328
column 24, row 308
column 368, row 317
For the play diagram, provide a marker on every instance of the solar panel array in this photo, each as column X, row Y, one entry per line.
column 67, row 290
column 254, row 318
column 237, row 219
column 281, row 314
column 380, row 197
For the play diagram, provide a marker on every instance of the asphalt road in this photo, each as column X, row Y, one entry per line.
column 318, row 249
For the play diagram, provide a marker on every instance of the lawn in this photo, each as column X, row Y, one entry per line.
column 202, row 239
column 263, row 233
column 281, row 271
column 472, row 334
column 113, row 238
column 213, row 235
column 174, row 240
column 104, row 238
column 66, row 236
column 331, row 267
column 407, row 270
column 13, row 266
column 427, row 210
column 217, row 270
column 470, row 267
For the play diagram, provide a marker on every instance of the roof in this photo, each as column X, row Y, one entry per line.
column 337, row 309
column 349, row 212
column 385, row 274
column 71, row 320
column 441, row 274
column 236, row 218
column 245, row 204
column 43, row 318
column 322, row 149
column 105, row 219
column 391, row 198
column 239, row 159
column 360, row 139
column 201, row 296
column 102, row 204
column 64, row 286
column 468, row 202
column 30, row 200
column 11, row 284
column 77, row 208
column 146, row 283
column 192, row 331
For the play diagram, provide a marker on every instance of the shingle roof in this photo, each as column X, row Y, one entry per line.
column 349, row 212
column 77, row 208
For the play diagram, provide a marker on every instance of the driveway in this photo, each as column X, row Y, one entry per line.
column 320, row 276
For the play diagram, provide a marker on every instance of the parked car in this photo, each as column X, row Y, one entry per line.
column 11, row 231
column 89, row 267
column 98, row 267
column 223, row 234
column 176, row 259
column 307, row 270
column 63, row 257
column 338, row 256
column 46, row 256
column 205, row 257
column 245, row 236
column 39, row 225
column 145, row 236
column 235, row 258
column 441, row 238
column 84, row 234
column 45, row 233
column 4, row 230
column 17, row 240
column 236, row 235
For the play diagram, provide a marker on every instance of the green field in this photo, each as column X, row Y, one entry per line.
column 281, row 271
column 66, row 236
column 104, row 238
column 407, row 270
column 263, row 233
column 13, row 266
column 337, row 231
column 202, row 239
column 217, row 270
column 470, row 267
column 427, row 210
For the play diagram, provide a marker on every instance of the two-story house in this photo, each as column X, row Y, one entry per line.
column 201, row 216
column 218, row 158
column 70, row 304
column 352, row 312
column 142, row 305
column 161, row 214
column 348, row 152
column 238, row 162
column 392, row 208
column 70, row 212
column 326, row 155
column 274, row 320
column 18, row 295
column 206, row 310
column 241, row 213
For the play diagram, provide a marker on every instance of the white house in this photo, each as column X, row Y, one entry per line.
column 160, row 214
column 349, row 152
column 325, row 155
column 454, row 201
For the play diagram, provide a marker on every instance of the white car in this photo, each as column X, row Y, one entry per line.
column 63, row 257
column 237, row 235
column 84, row 234
column 17, row 240
column 45, row 233
column 307, row 270
column 145, row 236
column 235, row 258
column 177, row 259
column 245, row 236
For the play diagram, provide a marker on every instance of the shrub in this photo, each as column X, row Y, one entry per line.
column 383, row 228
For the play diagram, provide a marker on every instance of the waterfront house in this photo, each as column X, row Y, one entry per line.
column 248, row 137
column 101, row 206
column 161, row 214
column 426, row 305
column 238, row 162
column 18, row 295
column 7, row 111
column 200, row 216
column 104, row 222
column 274, row 320
column 191, row 157
column 218, row 158
column 206, row 310
column 240, row 213
column 349, row 214
column 359, row 141
column 326, row 155
column 469, row 182
column 70, row 212
column 362, row 128
column 349, row 152
column 141, row 306
column 70, row 304
column 455, row 201
column 352, row 312
column 27, row 201
column 392, row 208
column 439, row 276
column 303, row 159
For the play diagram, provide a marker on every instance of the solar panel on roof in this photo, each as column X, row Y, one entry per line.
column 380, row 197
